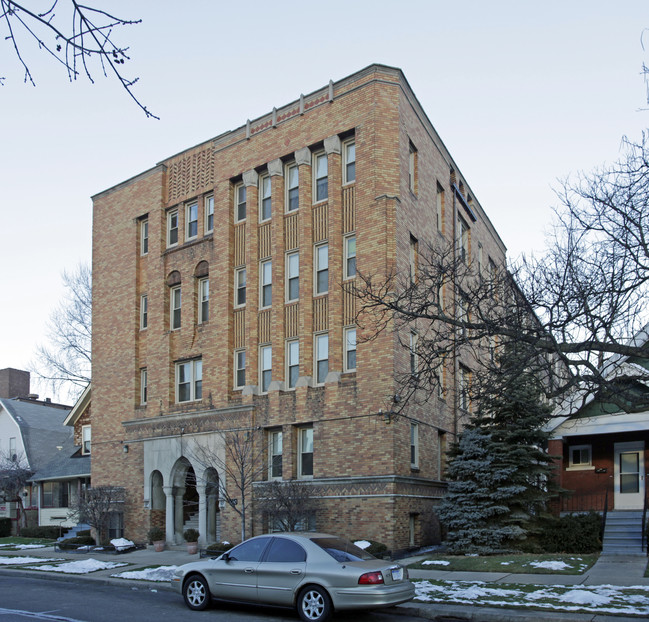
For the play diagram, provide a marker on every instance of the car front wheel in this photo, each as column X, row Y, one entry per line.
column 196, row 593
column 314, row 604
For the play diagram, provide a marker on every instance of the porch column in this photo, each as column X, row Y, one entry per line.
column 179, row 519
column 169, row 513
column 202, row 514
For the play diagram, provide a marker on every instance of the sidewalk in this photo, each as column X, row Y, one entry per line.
column 619, row 570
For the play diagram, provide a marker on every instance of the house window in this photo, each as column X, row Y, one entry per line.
column 275, row 454
column 440, row 208
column 305, row 453
column 86, row 438
column 115, row 525
column 349, row 162
column 320, row 177
column 463, row 387
column 463, row 239
column 322, row 269
column 292, row 187
column 350, row 257
column 144, row 386
column 292, row 362
column 350, row 349
column 175, row 304
column 144, row 237
column 321, row 357
column 414, row 357
column 292, row 276
column 239, row 202
column 56, row 494
column 265, row 367
column 414, row 446
column 462, row 314
column 191, row 221
column 144, row 311
column 580, row 457
column 239, row 369
column 413, row 258
column 412, row 168
column 266, row 284
column 172, row 228
column 203, row 300
column 209, row 214
column 189, row 381
column 441, row 454
column 265, row 198
column 12, row 449
column 239, row 287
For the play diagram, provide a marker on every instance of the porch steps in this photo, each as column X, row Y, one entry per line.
column 191, row 522
column 623, row 533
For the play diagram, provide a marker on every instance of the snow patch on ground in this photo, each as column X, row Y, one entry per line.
column 435, row 562
column 12, row 561
column 362, row 544
column 161, row 573
column 82, row 566
column 121, row 544
column 550, row 565
column 20, row 547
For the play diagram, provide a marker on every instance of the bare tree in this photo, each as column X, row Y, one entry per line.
column 80, row 38
column 65, row 363
column 288, row 504
column 15, row 474
column 96, row 506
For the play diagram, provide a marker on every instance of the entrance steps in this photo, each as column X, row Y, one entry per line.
column 623, row 533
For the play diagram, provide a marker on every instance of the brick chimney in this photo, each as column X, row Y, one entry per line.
column 14, row 383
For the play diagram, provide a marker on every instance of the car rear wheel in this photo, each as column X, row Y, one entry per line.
column 196, row 593
column 314, row 604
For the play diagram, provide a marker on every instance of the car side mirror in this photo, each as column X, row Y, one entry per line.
column 225, row 557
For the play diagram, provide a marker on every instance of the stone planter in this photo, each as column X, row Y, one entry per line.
column 159, row 546
column 192, row 548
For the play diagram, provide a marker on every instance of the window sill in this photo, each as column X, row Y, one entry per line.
column 588, row 467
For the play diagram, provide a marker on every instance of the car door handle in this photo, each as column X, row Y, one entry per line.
column 296, row 571
column 249, row 570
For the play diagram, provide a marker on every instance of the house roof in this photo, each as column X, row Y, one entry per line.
column 80, row 407
column 602, row 424
column 67, row 462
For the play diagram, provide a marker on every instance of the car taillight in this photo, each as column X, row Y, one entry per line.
column 370, row 578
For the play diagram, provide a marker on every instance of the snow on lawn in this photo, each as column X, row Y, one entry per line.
column 161, row 573
column 24, row 546
column 550, row 565
column 435, row 562
column 599, row 599
column 15, row 560
column 121, row 544
column 82, row 566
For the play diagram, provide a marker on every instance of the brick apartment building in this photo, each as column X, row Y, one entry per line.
column 223, row 297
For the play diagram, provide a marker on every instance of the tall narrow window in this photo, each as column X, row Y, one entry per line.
column 413, row 259
column 191, row 221
column 463, row 239
column 349, row 162
column 321, row 357
column 321, row 177
column 292, row 187
column 305, row 453
column 440, row 208
column 144, row 237
column 265, row 367
column 292, row 276
column 189, row 381
column 412, row 168
column 203, row 300
column 266, row 281
column 172, row 228
column 414, row 360
column 275, row 454
column 322, row 269
column 463, row 387
column 86, row 439
column 414, row 446
column 239, row 202
column 350, row 349
column 175, row 303
column 239, row 287
column 144, row 386
column 209, row 213
column 441, row 454
column 462, row 314
column 239, row 369
column 350, row 257
column 144, row 311
column 292, row 362
column 265, row 198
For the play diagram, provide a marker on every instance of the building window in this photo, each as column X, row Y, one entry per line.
column 13, row 456
column 209, row 214
column 463, row 239
column 414, row 357
column 440, row 208
column 349, row 162
column 414, row 446
column 580, row 457
column 265, row 367
column 191, row 221
column 239, row 287
column 86, row 438
column 56, row 494
column 321, row 357
column 239, row 202
column 320, row 177
column 292, row 187
column 203, row 300
column 275, row 454
column 350, row 257
column 292, row 276
column 175, row 304
column 463, row 387
column 462, row 314
column 265, row 198
column 413, row 259
column 189, row 381
column 350, row 349
column 305, row 453
column 322, row 269
column 266, row 284
column 412, row 169
column 292, row 362
column 144, row 386
column 144, row 237
column 441, row 454
column 172, row 228
column 239, row 369
column 144, row 311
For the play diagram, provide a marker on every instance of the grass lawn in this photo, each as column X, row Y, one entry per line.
column 516, row 563
column 10, row 542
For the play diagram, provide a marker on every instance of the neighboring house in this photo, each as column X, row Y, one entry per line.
column 223, row 298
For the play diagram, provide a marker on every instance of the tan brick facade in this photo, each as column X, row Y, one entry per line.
column 361, row 465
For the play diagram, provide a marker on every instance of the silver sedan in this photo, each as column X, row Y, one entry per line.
column 315, row 573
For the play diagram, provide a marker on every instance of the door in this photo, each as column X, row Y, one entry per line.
column 281, row 571
column 629, row 476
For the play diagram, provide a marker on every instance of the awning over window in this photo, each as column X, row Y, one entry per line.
column 603, row 424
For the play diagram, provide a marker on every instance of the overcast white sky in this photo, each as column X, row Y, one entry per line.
column 522, row 93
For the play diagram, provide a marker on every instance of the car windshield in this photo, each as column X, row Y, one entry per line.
column 342, row 550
